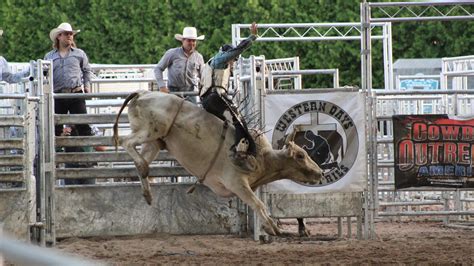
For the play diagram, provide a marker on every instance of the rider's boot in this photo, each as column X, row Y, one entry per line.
column 241, row 158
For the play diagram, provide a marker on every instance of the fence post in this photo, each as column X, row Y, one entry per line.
column 47, row 153
column 1, row 235
column 29, row 157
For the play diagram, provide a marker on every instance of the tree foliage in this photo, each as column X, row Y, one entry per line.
column 139, row 32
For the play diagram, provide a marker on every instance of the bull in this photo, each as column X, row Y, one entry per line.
column 201, row 143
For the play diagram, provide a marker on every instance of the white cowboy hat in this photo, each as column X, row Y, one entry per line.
column 189, row 33
column 63, row 27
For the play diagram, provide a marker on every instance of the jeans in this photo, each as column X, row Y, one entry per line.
column 73, row 106
column 217, row 105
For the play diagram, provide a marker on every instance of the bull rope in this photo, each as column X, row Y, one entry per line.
column 174, row 118
column 213, row 161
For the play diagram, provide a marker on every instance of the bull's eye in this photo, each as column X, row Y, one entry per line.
column 300, row 156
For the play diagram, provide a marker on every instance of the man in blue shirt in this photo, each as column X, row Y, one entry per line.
column 215, row 82
column 71, row 74
column 5, row 71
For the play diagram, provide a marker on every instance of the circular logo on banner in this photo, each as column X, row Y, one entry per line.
column 330, row 138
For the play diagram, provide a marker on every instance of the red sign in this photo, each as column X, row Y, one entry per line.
column 433, row 150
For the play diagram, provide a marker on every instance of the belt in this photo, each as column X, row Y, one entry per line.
column 180, row 89
column 72, row 90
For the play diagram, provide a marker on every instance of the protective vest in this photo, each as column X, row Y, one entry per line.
column 214, row 78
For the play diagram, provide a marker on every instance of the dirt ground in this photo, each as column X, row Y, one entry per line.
column 396, row 243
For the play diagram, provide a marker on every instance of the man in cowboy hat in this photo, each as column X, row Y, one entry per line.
column 184, row 64
column 5, row 72
column 71, row 74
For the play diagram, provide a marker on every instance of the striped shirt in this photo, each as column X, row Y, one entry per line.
column 184, row 72
column 71, row 71
column 7, row 75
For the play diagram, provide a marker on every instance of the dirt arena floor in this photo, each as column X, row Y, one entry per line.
column 397, row 243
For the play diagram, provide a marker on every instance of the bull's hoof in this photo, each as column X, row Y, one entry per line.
column 286, row 233
column 278, row 231
column 265, row 239
column 271, row 230
column 148, row 197
column 304, row 232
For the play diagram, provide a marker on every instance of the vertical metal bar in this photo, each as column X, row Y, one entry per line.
column 237, row 81
column 385, row 58
column 252, row 92
column 48, row 152
column 298, row 80
column 339, row 227
column 1, row 235
column 52, row 153
column 367, row 87
column 257, row 232
column 37, row 229
column 390, row 54
column 388, row 59
column 374, row 162
column 261, row 104
column 29, row 156
column 359, row 227
column 455, row 104
column 270, row 80
column 235, row 34
column 262, row 94
column 457, row 202
column 464, row 78
column 349, row 227
column 254, row 99
column 336, row 78
column 41, row 155
column 444, row 77
column 445, row 195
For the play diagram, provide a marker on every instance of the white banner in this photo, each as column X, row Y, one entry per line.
column 331, row 128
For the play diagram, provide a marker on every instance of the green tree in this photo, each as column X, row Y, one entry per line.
column 139, row 32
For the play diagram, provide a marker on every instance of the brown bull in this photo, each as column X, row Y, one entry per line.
column 199, row 142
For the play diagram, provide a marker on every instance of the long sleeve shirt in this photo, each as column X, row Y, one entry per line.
column 184, row 72
column 71, row 71
column 222, row 58
column 7, row 75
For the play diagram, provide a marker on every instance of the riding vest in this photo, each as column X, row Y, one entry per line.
column 214, row 78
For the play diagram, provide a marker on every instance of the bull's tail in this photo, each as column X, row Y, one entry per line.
column 116, row 136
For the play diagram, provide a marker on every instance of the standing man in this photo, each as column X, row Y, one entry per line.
column 214, row 96
column 184, row 65
column 5, row 71
column 13, row 132
column 71, row 74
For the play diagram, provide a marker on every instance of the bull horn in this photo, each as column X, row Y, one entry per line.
column 291, row 136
